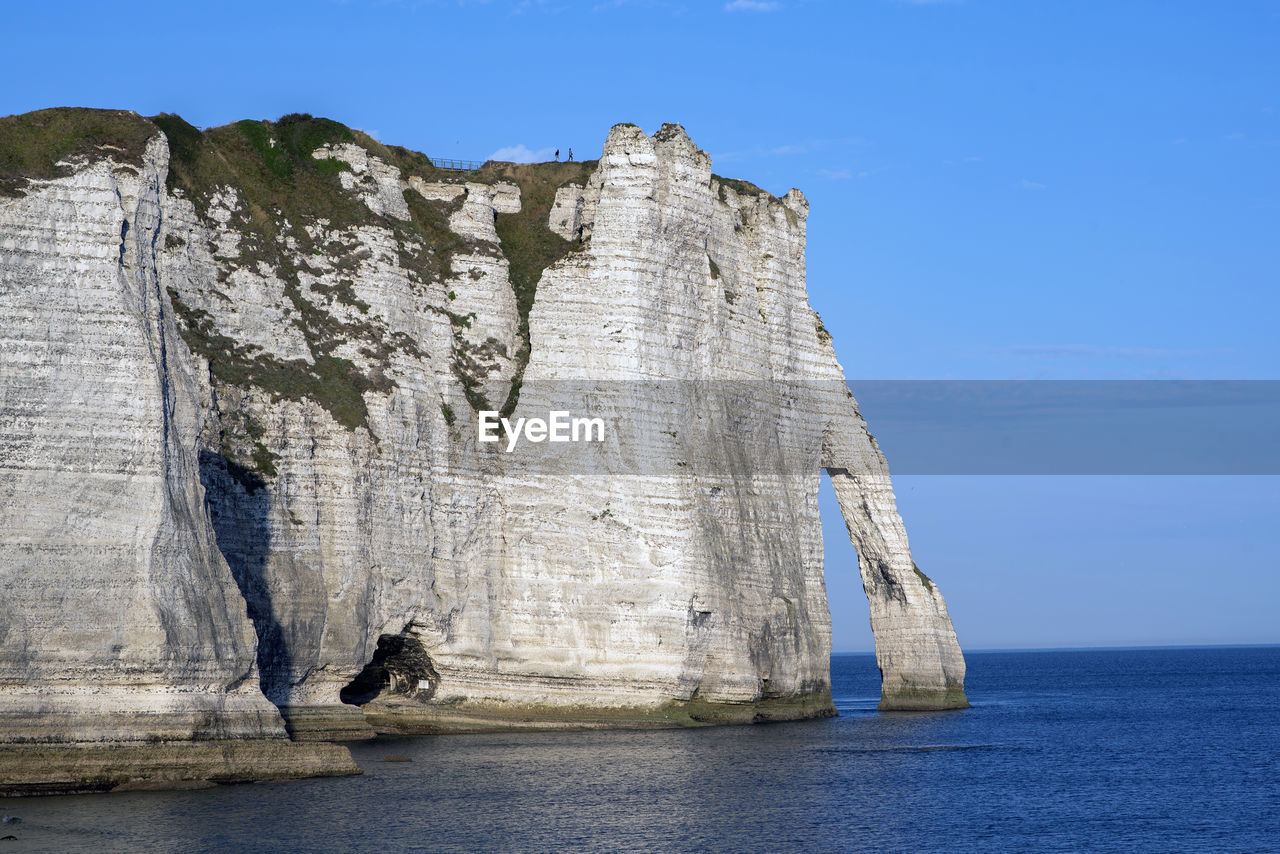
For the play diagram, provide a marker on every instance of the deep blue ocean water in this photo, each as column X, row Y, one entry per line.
column 1101, row 750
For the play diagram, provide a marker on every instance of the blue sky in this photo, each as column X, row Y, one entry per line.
column 999, row 190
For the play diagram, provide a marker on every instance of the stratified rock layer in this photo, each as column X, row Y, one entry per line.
column 120, row 618
column 40, row 769
column 120, row 621
column 246, row 381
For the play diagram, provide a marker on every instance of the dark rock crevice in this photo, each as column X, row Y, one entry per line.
column 239, row 509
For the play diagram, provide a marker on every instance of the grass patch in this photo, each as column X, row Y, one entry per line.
column 335, row 384
column 823, row 335
column 280, row 188
column 431, row 219
column 278, row 181
column 528, row 243
column 742, row 188
column 924, row 579
column 32, row 144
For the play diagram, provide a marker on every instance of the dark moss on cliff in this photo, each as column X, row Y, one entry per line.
column 824, row 337
column 33, row 144
column 431, row 219
column 528, row 243
column 281, row 188
column 281, row 191
column 742, row 188
column 924, row 579
column 920, row 700
column 334, row 383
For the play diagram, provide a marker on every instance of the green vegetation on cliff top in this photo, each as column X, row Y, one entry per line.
column 742, row 188
column 281, row 190
column 33, row 144
column 271, row 167
column 924, row 579
column 528, row 244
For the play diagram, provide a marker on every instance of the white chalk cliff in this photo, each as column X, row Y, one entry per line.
column 240, row 484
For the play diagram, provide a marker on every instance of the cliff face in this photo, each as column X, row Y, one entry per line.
column 119, row 613
column 241, row 371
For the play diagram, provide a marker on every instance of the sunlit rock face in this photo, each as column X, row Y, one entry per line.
column 238, row 431
column 119, row 618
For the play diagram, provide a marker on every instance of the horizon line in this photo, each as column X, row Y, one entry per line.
column 1099, row 648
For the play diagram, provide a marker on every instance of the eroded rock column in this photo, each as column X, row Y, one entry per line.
column 921, row 666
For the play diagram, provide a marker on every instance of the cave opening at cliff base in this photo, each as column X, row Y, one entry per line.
column 400, row 666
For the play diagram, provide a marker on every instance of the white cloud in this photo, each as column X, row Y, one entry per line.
column 836, row 174
column 522, row 154
column 1030, row 185
column 752, row 6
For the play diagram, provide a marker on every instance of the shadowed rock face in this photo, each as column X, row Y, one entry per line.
column 237, row 429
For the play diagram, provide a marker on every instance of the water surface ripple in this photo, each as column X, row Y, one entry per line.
column 1104, row 750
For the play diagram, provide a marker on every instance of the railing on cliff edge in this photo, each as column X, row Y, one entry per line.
column 460, row 165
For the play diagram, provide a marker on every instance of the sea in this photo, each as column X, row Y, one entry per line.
column 1163, row 750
